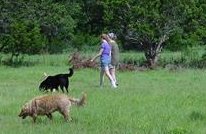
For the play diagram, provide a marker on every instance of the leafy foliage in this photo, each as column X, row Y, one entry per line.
column 37, row 24
column 53, row 26
column 147, row 25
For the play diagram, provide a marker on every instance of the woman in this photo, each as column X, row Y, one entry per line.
column 114, row 56
column 105, row 59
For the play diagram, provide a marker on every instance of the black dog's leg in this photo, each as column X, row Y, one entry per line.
column 67, row 90
column 46, row 89
column 51, row 89
column 67, row 85
column 62, row 88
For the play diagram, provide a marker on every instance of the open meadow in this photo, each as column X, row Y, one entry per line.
column 146, row 102
column 160, row 47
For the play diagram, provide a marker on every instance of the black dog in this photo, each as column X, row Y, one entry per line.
column 53, row 82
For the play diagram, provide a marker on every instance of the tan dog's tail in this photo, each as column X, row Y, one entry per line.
column 79, row 102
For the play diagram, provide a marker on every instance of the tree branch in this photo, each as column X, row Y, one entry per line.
column 162, row 40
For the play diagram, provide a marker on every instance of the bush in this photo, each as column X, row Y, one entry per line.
column 24, row 37
column 85, row 42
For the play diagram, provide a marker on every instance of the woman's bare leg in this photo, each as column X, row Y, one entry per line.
column 110, row 77
column 112, row 72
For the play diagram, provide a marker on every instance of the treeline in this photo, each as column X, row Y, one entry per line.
column 53, row 26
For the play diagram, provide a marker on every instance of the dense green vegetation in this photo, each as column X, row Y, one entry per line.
column 35, row 26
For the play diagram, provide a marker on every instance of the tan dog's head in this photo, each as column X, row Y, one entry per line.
column 24, row 111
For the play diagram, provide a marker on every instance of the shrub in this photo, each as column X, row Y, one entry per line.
column 85, row 42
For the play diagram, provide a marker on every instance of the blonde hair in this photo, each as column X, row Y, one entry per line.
column 105, row 37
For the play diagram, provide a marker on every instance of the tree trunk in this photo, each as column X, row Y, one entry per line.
column 153, row 50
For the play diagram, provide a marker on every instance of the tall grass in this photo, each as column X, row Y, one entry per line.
column 150, row 102
column 189, row 58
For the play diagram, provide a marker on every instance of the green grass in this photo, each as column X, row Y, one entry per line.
column 189, row 58
column 150, row 102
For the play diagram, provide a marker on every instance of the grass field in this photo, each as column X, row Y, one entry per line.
column 150, row 102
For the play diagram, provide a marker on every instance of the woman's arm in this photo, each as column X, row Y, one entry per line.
column 99, row 54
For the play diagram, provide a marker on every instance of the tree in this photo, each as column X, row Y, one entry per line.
column 148, row 24
column 24, row 38
column 32, row 26
column 91, row 17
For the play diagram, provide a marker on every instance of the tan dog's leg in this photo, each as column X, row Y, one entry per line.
column 34, row 117
column 65, row 113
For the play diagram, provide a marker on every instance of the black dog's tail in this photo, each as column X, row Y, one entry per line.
column 71, row 72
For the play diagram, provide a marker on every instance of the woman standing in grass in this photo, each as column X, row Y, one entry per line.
column 105, row 59
column 114, row 56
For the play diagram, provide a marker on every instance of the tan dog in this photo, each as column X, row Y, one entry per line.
column 46, row 105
